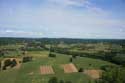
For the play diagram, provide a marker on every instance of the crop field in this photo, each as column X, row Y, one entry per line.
column 32, row 72
column 46, row 70
column 69, row 68
column 95, row 74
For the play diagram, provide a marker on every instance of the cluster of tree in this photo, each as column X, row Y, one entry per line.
column 27, row 59
column 119, row 59
column 34, row 49
column 112, row 56
column 71, row 60
column 10, row 63
column 112, row 74
column 5, row 41
column 35, row 46
column 55, row 80
column 8, row 54
column 2, row 53
column 52, row 55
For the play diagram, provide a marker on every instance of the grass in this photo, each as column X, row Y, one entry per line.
column 89, row 63
column 15, row 53
column 8, row 76
column 38, row 53
column 22, row 75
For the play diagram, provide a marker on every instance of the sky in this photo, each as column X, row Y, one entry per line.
column 98, row 19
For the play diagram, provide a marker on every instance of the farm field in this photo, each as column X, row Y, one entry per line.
column 69, row 68
column 30, row 72
column 46, row 70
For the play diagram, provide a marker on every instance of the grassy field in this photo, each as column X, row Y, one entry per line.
column 37, row 54
column 23, row 75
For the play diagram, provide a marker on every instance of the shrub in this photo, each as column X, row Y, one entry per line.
column 70, row 59
column 52, row 55
column 4, row 68
column 90, row 64
column 53, row 80
column 61, row 81
column 27, row 59
column 113, row 75
column 81, row 70
column 107, row 67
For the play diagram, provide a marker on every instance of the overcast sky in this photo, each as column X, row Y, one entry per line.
column 63, row 18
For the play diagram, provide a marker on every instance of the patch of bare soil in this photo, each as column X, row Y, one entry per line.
column 46, row 70
column 95, row 74
column 69, row 68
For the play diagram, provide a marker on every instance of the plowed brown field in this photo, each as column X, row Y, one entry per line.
column 46, row 70
column 95, row 74
column 69, row 68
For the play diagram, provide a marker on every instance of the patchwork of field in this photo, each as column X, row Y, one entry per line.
column 32, row 72
column 46, row 70
column 69, row 68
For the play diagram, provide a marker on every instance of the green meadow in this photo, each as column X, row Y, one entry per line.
column 22, row 75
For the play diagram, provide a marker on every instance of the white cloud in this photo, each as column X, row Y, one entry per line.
column 79, row 3
column 21, row 33
column 59, row 20
column 68, row 2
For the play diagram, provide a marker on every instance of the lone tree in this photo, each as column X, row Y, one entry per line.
column 53, row 80
column 70, row 59
column 50, row 52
